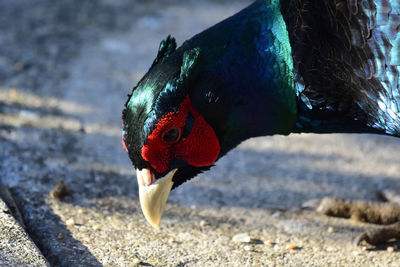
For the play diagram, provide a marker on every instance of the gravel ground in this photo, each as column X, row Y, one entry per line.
column 65, row 70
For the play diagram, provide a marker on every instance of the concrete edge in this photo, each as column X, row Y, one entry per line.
column 16, row 246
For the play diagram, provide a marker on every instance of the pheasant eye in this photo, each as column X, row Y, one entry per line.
column 172, row 135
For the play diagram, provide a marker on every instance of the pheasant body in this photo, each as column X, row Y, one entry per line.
column 276, row 67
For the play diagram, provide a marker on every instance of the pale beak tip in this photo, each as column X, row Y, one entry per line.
column 154, row 197
column 155, row 225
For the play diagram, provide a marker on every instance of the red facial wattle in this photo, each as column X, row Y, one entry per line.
column 124, row 140
column 199, row 148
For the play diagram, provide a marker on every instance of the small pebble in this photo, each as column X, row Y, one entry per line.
column 331, row 230
column 70, row 222
column 203, row 223
column 331, row 249
column 241, row 238
column 96, row 227
column 60, row 236
column 276, row 214
column 80, row 211
column 135, row 261
column 390, row 249
column 247, row 248
column 356, row 253
column 292, row 246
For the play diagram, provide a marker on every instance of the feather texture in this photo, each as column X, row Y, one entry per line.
column 346, row 58
column 276, row 67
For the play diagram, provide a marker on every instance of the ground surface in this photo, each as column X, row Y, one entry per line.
column 65, row 70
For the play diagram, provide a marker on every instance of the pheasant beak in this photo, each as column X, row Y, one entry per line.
column 153, row 194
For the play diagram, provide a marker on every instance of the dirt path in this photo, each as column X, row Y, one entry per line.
column 64, row 80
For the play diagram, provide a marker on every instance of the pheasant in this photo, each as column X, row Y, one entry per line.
column 276, row 67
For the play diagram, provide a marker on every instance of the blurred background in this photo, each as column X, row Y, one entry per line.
column 66, row 68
